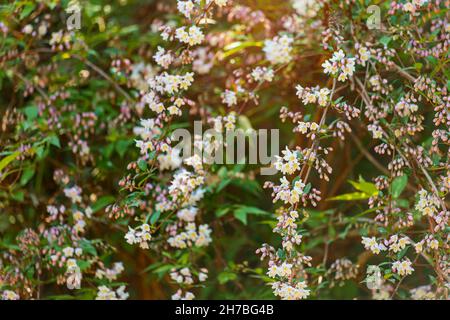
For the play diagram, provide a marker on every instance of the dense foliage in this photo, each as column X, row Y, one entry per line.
column 96, row 202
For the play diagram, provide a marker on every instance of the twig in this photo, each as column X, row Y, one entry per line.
column 104, row 75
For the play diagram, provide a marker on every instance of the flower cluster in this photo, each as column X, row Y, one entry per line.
column 262, row 74
column 340, row 64
column 191, row 236
column 192, row 36
column 279, row 49
column 288, row 292
column 107, row 150
column 403, row 267
column 105, row 293
column 140, row 235
column 372, row 245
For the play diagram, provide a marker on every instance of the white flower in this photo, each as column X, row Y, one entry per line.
column 273, row 271
column 79, row 226
column 202, row 276
column 409, row 7
column 68, row 252
column 191, row 237
column 179, row 295
column 434, row 244
column 10, row 295
column 187, row 214
column 71, row 264
column 28, row 29
column 162, row 58
column 328, row 67
column 104, row 293
column 278, row 50
column 73, row 194
column 262, row 74
column 376, row 130
column 186, row 8
column 303, row 127
column 307, row 8
column 422, row 293
column 170, row 161
column 419, row 246
column 364, row 55
column 189, row 296
column 229, row 98
column 339, row 64
column 323, row 96
column 288, row 164
column 203, row 60
column 289, row 292
column 221, row 3
column 121, row 293
column 131, row 236
column 372, row 245
column 193, row 37
column 168, row 84
column 428, row 203
column 285, row 270
column 403, row 268
column 74, row 278
column 314, row 126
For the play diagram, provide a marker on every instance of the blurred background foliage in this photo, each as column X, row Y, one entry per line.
column 53, row 98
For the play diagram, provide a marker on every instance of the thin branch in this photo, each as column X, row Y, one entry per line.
column 104, row 75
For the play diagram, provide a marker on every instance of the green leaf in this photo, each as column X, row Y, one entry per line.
column 418, row 66
column 152, row 155
column 26, row 175
column 307, row 188
column 398, row 185
column 402, row 203
column 102, row 202
column 122, row 146
column 238, row 46
column 350, row 196
column 18, row 196
column 281, row 253
column 40, row 152
column 241, row 215
column 142, row 164
column 222, row 211
column 6, row 160
column 402, row 253
column 253, row 210
column 84, row 265
column 226, row 276
column 364, row 186
column 31, row 112
column 88, row 248
column 155, row 216
column 242, row 212
column 223, row 183
column 244, row 123
column 162, row 270
column 28, row 8
column 385, row 40
column 54, row 140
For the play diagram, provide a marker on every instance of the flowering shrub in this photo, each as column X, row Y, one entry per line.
column 100, row 201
